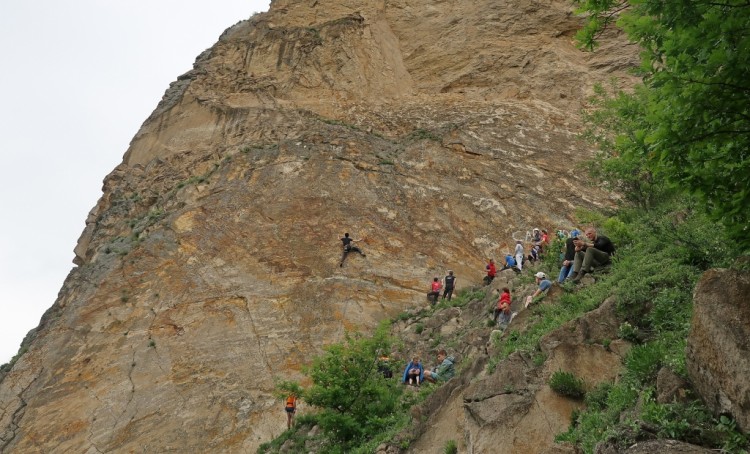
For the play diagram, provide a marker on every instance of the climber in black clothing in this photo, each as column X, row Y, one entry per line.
column 349, row 246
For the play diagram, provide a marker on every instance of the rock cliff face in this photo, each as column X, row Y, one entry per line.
column 210, row 266
column 718, row 348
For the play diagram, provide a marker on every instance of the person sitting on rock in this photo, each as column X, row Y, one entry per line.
column 414, row 372
column 595, row 253
column 349, row 247
column 568, row 257
column 443, row 372
column 491, row 271
column 449, row 282
column 502, row 313
column 434, row 293
column 544, row 285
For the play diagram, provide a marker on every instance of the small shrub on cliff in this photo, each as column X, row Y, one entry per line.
column 567, row 384
column 356, row 402
column 643, row 361
column 450, row 447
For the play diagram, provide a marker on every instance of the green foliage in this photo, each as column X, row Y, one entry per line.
column 676, row 421
column 450, row 447
column 567, row 384
column 619, row 165
column 629, row 333
column 597, row 397
column 539, row 359
column 644, row 361
column 688, row 124
column 734, row 439
column 418, row 328
column 5, row 368
column 297, row 435
column 661, row 253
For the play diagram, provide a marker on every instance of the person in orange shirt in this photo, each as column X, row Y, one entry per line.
column 291, row 409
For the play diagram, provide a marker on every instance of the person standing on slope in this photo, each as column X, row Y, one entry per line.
column 291, row 409
column 434, row 293
column 449, row 284
column 519, row 254
column 491, row 272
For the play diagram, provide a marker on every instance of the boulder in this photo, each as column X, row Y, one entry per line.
column 670, row 387
column 718, row 346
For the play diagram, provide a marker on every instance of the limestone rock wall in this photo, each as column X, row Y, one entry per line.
column 209, row 267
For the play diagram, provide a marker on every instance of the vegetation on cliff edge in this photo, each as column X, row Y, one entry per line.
column 688, row 123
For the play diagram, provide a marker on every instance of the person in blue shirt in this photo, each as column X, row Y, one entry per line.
column 414, row 372
column 569, row 257
column 510, row 263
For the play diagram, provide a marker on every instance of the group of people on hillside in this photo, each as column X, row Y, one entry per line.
column 584, row 254
column 414, row 373
column 516, row 260
column 447, row 285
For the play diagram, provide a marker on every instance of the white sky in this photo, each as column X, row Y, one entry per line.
column 78, row 77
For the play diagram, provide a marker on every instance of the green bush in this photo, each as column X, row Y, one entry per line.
column 643, row 361
column 450, row 447
column 356, row 402
column 567, row 384
column 597, row 398
column 628, row 332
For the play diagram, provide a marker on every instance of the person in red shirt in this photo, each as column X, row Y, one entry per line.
column 502, row 312
column 435, row 291
column 491, row 271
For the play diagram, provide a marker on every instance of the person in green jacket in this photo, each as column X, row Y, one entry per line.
column 444, row 372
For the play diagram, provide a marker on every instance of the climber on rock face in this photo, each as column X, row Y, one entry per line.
column 348, row 244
